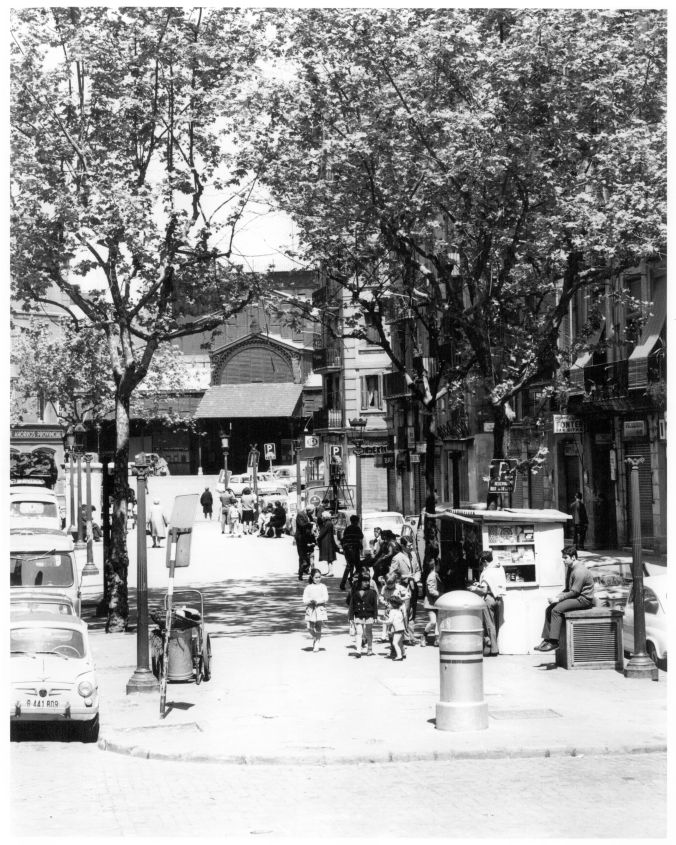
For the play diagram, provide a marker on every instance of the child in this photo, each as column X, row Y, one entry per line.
column 234, row 520
column 315, row 599
column 390, row 586
column 396, row 626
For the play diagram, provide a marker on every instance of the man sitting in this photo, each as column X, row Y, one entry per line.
column 578, row 594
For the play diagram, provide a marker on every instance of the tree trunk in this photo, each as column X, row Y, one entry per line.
column 431, row 525
column 116, row 567
column 501, row 425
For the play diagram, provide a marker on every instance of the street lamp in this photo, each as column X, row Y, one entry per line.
column 69, row 449
column 225, row 446
column 296, row 449
column 143, row 679
column 79, row 432
column 639, row 665
column 358, row 425
column 89, row 568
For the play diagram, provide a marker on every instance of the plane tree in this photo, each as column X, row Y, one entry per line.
column 125, row 198
column 460, row 176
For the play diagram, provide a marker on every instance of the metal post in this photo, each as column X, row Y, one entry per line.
column 171, row 560
column 72, row 529
column 143, row 679
column 298, row 480
column 79, row 544
column 357, row 453
column 639, row 665
column 90, row 568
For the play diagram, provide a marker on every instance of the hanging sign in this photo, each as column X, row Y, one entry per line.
column 502, row 476
column 632, row 429
column 311, row 441
column 567, row 424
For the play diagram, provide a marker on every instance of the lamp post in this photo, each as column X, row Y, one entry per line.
column 89, row 568
column 69, row 448
column 639, row 665
column 143, row 679
column 79, row 431
column 358, row 424
column 225, row 446
column 296, row 447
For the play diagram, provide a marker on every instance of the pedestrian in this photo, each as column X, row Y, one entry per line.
column 224, row 499
column 326, row 541
column 315, row 599
column 577, row 594
column 433, row 589
column 396, row 628
column 278, row 521
column 248, row 509
column 491, row 587
column 364, row 611
column 390, row 587
column 305, row 542
column 351, row 542
column 580, row 521
column 375, row 542
column 387, row 550
column 234, row 520
column 157, row 522
column 207, row 502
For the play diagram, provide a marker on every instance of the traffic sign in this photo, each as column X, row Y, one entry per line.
column 336, row 453
column 315, row 500
column 252, row 459
column 502, row 476
column 311, row 441
column 270, row 452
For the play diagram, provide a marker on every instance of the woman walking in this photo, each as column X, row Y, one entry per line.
column 315, row 599
column 157, row 522
column 326, row 541
column 364, row 610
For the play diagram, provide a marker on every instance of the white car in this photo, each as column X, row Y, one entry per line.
column 390, row 520
column 52, row 673
column 34, row 509
column 655, row 606
column 44, row 563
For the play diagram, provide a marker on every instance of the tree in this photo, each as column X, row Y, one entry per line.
column 467, row 173
column 124, row 195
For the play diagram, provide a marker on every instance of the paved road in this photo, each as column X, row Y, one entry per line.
column 65, row 789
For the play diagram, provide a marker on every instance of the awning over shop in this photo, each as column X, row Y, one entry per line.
column 504, row 515
column 638, row 360
column 577, row 370
column 233, row 401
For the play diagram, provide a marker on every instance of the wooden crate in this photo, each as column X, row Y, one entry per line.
column 592, row 639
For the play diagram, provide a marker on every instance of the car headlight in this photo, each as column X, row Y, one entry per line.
column 85, row 689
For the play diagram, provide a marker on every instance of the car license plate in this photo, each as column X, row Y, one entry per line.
column 52, row 703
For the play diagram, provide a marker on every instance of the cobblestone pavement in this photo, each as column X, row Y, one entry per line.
column 61, row 789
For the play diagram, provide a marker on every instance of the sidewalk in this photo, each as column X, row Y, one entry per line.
column 270, row 700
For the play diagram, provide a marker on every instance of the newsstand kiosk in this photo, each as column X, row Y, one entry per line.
column 528, row 543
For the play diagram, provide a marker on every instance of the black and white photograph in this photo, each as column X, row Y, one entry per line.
column 386, row 283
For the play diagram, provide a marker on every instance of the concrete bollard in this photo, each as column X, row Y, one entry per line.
column 461, row 647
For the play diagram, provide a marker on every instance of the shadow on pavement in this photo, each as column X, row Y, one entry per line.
column 245, row 607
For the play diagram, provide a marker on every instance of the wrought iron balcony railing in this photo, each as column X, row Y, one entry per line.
column 394, row 386
column 326, row 357
column 328, row 418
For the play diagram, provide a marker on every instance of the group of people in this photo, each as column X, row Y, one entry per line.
column 246, row 516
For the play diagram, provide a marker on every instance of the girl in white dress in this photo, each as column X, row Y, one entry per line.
column 315, row 599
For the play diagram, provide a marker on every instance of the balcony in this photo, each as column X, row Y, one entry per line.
column 326, row 358
column 394, row 386
column 328, row 419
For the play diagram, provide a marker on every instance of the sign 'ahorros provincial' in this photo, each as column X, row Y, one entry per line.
column 567, row 424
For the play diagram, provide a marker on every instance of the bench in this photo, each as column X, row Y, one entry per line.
column 592, row 639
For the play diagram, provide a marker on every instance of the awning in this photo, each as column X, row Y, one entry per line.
column 583, row 360
column 252, row 400
column 524, row 515
column 454, row 516
column 638, row 360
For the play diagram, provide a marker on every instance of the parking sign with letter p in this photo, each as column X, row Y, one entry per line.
column 270, row 452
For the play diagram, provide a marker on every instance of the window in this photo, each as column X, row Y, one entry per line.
column 371, row 393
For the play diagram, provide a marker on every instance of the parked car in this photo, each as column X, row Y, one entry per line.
column 34, row 509
column 391, row 520
column 655, row 606
column 52, row 673
column 159, row 465
column 40, row 601
column 287, row 475
column 44, row 563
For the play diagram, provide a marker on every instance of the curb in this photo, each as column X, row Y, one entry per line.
column 117, row 747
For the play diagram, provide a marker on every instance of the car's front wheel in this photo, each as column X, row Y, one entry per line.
column 89, row 731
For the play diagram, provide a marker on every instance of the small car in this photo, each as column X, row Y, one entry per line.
column 655, row 606
column 41, row 601
column 391, row 520
column 52, row 673
column 44, row 563
column 34, row 509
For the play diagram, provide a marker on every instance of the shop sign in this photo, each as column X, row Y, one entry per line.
column 489, row 427
column 502, row 476
column 385, row 460
column 570, row 450
column 567, row 424
column 603, row 439
column 421, row 447
column 373, row 449
column 35, row 434
column 415, row 459
column 632, row 429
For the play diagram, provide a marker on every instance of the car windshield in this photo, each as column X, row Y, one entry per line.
column 394, row 523
column 40, row 569
column 33, row 510
column 30, row 605
column 42, row 640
